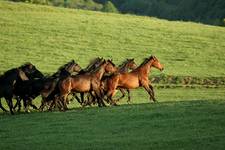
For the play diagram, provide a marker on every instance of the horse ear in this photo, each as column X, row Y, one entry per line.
column 151, row 57
column 30, row 66
column 132, row 59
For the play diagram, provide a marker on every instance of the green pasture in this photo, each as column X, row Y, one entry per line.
column 50, row 37
column 182, row 119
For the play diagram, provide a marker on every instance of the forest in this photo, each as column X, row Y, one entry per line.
column 203, row 11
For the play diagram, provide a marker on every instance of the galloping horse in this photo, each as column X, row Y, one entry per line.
column 134, row 79
column 15, row 76
column 53, row 96
column 49, row 87
column 124, row 67
column 86, row 82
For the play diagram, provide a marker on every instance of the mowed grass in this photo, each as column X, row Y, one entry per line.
column 50, row 37
column 196, row 122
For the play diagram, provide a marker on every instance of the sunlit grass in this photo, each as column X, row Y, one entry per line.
column 49, row 37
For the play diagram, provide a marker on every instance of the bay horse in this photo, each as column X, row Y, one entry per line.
column 30, row 89
column 134, row 79
column 15, row 76
column 53, row 96
column 127, row 65
column 86, row 82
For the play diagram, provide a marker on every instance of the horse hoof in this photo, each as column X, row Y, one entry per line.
column 114, row 104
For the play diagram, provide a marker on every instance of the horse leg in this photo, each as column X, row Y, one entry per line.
column 25, row 105
column 128, row 93
column 10, row 104
column 60, row 104
column 87, row 101
column 123, row 94
column 41, row 108
column 110, row 95
column 32, row 105
column 99, row 98
column 148, row 89
column 82, row 97
column 92, row 98
column 76, row 97
column 2, row 106
column 53, row 103
column 62, row 101
column 18, row 102
column 152, row 91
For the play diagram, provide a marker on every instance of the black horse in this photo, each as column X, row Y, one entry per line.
column 16, row 76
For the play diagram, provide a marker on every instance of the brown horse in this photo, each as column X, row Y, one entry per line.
column 50, row 84
column 54, row 96
column 124, row 68
column 134, row 79
column 86, row 82
column 127, row 65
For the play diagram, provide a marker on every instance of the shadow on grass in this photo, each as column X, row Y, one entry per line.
column 182, row 103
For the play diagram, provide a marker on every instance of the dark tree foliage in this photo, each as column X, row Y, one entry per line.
column 109, row 7
column 205, row 11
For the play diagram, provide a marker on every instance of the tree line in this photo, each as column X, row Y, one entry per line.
column 204, row 11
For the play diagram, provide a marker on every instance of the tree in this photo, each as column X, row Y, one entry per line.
column 109, row 7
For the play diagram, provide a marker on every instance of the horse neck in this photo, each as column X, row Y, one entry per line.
column 92, row 65
column 145, row 68
column 10, row 76
column 62, row 72
column 100, row 72
column 123, row 68
column 89, row 68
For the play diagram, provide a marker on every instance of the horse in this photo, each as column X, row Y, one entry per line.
column 134, row 79
column 30, row 89
column 15, row 76
column 127, row 65
column 124, row 68
column 86, row 82
column 92, row 66
column 52, row 97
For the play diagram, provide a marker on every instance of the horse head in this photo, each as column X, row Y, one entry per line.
column 22, row 75
column 131, row 64
column 110, row 66
column 156, row 63
column 31, row 71
column 72, row 66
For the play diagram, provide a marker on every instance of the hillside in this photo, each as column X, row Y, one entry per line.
column 49, row 37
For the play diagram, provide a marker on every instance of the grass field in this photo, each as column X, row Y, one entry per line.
column 50, row 37
column 184, row 118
